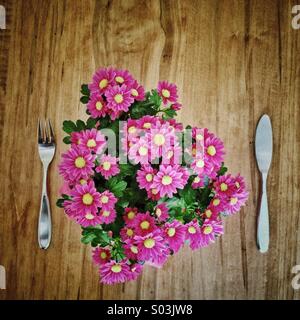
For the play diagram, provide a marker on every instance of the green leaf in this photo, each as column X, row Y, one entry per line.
column 169, row 113
column 88, row 238
column 85, row 90
column 67, row 140
column 155, row 98
column 117, row 187
column 84, row 99
column 80, row 125
column 69, row 126
column 127, row 170
column 60, row 202
column 123, row 203
column 91, row 123
column 188, row 194
column 222, row 170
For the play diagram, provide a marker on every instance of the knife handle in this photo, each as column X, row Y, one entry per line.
column 263, row 219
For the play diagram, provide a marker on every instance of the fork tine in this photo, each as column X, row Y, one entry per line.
column 40, row 132
column 51, row 131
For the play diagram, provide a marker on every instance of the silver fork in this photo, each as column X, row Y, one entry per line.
column 46, row 147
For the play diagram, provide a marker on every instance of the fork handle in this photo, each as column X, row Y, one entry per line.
column 44, row 227
column 263, row 219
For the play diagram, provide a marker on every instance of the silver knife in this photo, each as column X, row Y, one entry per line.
column 263, row 152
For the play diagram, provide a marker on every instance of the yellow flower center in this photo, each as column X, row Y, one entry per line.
column 134, row 249
column 166, row 180
column 131, row 215
column 103, row 255
column 211, row 150
column 171, row 232
column 106, row 165
column 89, row 216
column 118, row 98
column 119, row 79
column 192, row 230
column 87, row 199
column 134, row 92
column 105, row 213
column 104, row 199
column 82, row 181
column 149, row 243
column 91, row 143
column 154, row 191
column 207, row 230
column 99, row 105
column 208, row 213
column 233, row 201
column 103, row 83
column 223, row 186
column 149, row 177
column 132, row 129
column 116, row 268
column 129, row 232
column 143, row 151
column 79, row 162
column 165, row 93
column 199, row 136
column 158, row 212
column 237, row 184
column 216, row 202
column 147, row 125
column 145, row 225
column 197, row 179
column 200, row 163
column 159, row 139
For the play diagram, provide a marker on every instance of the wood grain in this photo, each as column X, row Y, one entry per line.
column 232, row 60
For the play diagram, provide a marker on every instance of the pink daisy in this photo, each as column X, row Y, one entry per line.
column 202, row 166
column 137, row 91
column 176, row 106
column 159, row 260
column 174, row 124
column 118, row 98
column 130, row 249
column 173, row 155
column 198, row 182
column 146, row 122
column 130, row 215
column 150, row 246
column 224, row 186
column 86, row 199
column 168, row 91
column 136, row 269
column 114, row 272
column 107, row 215
column 123, row 77
column 75, row 138
column 153, row 194
column 161, row 212
column 92, row 140
column 210, row 213
column 127, row 233
column 88, row 219
column 145, row 177
column 139, row 152
column 168, row 180
column 97, row 106
column 175, row 234
column 218, row 203
column 102, row 80
column 101, row 255
column 209, row 230
column 214, row 150
column 144, row 224
column 107, row 200
column 193, row 234
column 76, row 163
column 236, row 201
column 108, row 166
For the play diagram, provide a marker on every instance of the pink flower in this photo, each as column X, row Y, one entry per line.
column 172, row 155
column 161, row 212
column 107, row 215
column 97, row 106
column 176, row 106
column 218, row 203
column 224, row 186
column 146, row 122
column 139, row 152
column 209, row 230
column 198, row 182
column 108, row 166
column 193, row 234
column 130, row 249
column 88, row 219
column 123, row 77
column 86, row 200
column 145, row 177
column 107, row 200
column 127, row 233
column 129, row 216
column 153, row 194
column 119, row 98
column 102, row 80
column 214, row 150
column 92, row 140
column 168, row 180
column 150, row 246
column 175, row 234
column 101, row 255
column 137, row 91
column 76, row 163
column 136, row 270
column 159, row 260
column 168, row 91
column 210, row 213
column 114, row 272
column 144, row 224
column 202, row 166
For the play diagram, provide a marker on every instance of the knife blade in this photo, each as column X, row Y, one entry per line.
column 263, row 153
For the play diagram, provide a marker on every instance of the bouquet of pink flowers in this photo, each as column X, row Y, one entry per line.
column 139, row 183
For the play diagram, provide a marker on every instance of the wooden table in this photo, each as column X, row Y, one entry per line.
column 232, row 60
